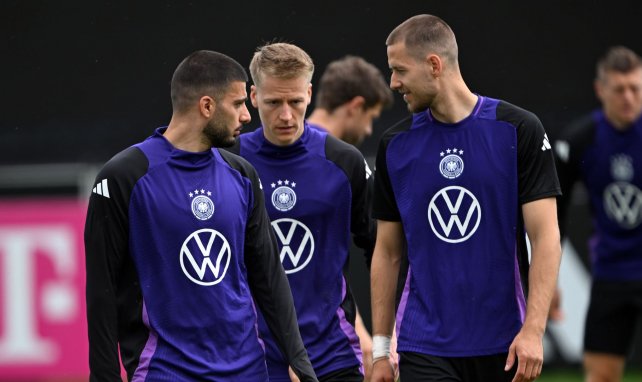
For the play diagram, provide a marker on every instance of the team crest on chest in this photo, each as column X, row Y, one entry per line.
column 283, row 196
column 202, row 205
column 451, row 165
column 622, row 167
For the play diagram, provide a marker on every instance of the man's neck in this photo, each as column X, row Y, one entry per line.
column 454, row 103
column 185, row 134
column 325, row 120
column 617, row 123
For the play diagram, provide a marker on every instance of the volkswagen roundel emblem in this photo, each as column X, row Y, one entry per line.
column 454, row 207
column 283, row 196
column 623, row 204
column 205, row 257
column 296, row 242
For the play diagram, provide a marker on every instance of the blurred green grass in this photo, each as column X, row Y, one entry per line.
column 556, row 375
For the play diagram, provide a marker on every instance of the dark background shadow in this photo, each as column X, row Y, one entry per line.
column 82, row 80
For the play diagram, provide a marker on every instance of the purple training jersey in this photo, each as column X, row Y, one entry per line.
column 457, row 189
column 316, row 193
column 177, row 246
column 609, row 163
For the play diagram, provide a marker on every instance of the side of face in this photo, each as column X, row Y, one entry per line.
column 621, row 95
column 359, row 124
column 411, row 77
column 282, row 104
column 228, row 116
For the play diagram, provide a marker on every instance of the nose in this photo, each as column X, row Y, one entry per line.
column 631, row 94
column 368, row 130
column 394, row 82
column 286, row 113
column 245, row 116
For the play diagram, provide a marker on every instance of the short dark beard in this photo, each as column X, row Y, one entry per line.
column 216, row 134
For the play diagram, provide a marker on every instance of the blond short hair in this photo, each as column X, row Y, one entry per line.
column 280, row 60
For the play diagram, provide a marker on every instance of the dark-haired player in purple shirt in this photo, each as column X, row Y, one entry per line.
column 458, row 184
column 179, row 247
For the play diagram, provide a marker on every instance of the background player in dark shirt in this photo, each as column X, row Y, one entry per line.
column 179, row 247
column 604, row 151
column 351, row 94
column 317, row 190
column 459, row 183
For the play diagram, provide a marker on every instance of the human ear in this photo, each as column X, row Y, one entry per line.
column 255, row 103
column 356, row 104
column 206, row 106
column 435, row 64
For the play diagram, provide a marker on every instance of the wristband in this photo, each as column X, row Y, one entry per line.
column 380, row 347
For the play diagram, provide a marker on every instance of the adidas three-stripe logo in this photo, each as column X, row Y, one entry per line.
column 546, row 145
column 101, row 189
column 368, row 171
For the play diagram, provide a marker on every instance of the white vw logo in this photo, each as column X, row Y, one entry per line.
column 623, row 203
column 444, row 230
column 196, row 268
column 291, row 232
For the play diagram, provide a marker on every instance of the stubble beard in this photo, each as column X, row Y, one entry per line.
column 418, row 107
column 216, row 134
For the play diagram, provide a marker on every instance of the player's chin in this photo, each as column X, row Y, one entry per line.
column 630, row 116
column 227, row 142
column 416, row 108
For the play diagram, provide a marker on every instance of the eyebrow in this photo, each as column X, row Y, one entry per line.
column 268, row 99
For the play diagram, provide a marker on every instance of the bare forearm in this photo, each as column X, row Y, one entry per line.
column 540, row 220
column 384, row 274
column 546, row 255
column 360, row 327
